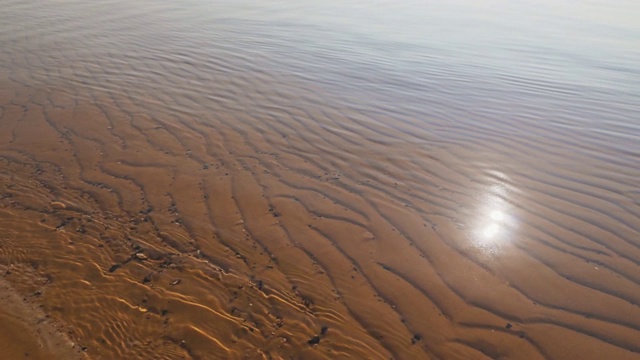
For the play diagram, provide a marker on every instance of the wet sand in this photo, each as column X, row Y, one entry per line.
column 26, row 332
column 161, row 206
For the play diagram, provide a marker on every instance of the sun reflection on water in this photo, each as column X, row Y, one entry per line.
column 494, row 222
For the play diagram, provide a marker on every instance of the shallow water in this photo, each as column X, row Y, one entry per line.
column 424, row 180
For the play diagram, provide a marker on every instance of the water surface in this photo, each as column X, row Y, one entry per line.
column 418, row 179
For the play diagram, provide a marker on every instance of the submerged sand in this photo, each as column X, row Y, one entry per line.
column 182, row 239
column 159, row 208
column 27, row 332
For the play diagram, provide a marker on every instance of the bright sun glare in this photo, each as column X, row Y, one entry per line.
column 494, row 225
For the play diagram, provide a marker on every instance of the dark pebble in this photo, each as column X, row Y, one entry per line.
column 323, row 330
column 314, row 340
column 416, row 338
column 508, row 326
column 114, row 268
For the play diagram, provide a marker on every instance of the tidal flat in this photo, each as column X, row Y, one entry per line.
column 319, row 180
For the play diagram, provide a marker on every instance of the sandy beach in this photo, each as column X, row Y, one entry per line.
column 173, row 185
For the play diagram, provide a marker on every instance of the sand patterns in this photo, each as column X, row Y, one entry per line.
column 270, row 206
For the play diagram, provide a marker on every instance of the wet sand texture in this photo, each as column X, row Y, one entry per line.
column 27, row 332
column 161, row 206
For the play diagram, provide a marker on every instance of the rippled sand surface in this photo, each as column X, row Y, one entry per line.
column 405, row 180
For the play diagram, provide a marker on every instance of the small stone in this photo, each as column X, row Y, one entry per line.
column 323, row 330
column 57, row 205
column 314, row 340
column 114, row 268
column 141, row 256
column 176, row 282
column 508, row 326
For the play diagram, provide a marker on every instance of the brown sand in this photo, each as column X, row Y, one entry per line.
column 241, row 217
column 27, row 332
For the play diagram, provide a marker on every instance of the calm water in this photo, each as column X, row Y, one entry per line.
column 488, row 66
column 465, row 165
